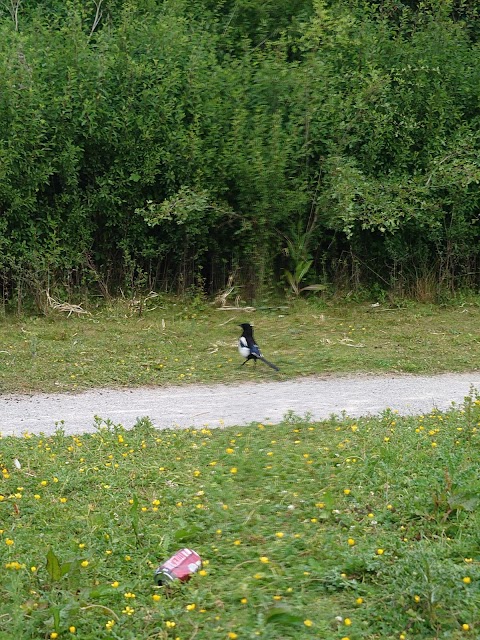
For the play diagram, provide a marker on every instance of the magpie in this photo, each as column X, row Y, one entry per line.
column 249, row 349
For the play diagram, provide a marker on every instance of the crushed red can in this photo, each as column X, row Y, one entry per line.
column 181, row 566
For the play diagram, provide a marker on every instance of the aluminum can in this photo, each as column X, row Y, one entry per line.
column 181, row 566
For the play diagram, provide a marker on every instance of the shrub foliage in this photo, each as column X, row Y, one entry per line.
column 165, row 145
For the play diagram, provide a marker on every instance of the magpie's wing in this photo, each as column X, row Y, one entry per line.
column 255, row 350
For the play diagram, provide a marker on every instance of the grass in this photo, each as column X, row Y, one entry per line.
column 175, row 343
column 358, row 530
column 363, row 529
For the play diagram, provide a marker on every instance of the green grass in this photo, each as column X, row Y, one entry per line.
column 303, row 527
column 176, row 343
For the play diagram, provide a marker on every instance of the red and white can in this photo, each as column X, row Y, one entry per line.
column 181, row 566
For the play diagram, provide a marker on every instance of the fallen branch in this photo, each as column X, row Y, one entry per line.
column 64, row 306
column 236, row 309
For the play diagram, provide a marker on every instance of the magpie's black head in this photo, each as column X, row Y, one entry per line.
column 247, row 327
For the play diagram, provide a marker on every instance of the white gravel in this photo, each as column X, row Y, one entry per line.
column 224, row 405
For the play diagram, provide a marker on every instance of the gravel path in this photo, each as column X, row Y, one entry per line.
column 224, row 405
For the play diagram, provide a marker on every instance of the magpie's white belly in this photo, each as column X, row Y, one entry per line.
column 243, row 351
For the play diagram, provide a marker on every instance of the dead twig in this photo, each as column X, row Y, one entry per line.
column 221, row 298
column 248, row 309
column 220, row 325
column 64, row 306
column 98, row 17
column 13, row 8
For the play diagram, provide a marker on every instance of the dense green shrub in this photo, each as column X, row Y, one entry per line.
column 159, row 145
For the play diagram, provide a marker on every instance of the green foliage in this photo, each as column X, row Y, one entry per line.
column 297, row 250
column 56, row 569
column 149, row 145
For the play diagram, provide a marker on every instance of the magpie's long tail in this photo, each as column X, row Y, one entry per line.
column 269, row 363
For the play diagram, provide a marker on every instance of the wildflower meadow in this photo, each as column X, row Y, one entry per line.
column 340, row 530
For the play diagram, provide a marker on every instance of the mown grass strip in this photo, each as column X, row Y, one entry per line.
column 358, row 529
column 177, row 343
